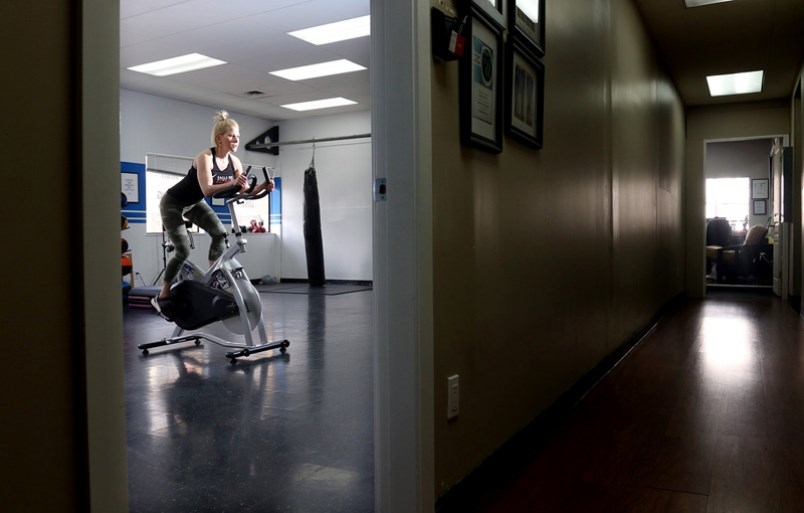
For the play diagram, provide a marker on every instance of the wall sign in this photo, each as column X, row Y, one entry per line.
column 129, row 185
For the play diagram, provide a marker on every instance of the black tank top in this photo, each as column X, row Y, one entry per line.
column 188, row 190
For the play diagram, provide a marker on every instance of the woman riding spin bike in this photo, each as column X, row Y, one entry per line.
column 213, row 170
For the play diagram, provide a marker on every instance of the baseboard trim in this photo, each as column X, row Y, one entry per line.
column 502, row 465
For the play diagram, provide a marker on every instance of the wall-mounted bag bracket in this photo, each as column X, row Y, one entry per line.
column 267, row 137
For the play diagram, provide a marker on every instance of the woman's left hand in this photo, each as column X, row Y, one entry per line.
column 264, row 186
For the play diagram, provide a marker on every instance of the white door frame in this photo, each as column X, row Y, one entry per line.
column 401, row 142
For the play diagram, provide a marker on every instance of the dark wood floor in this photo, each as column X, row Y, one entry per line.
column 706, row 415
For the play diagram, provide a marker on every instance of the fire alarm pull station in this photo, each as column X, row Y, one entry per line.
column 447, row 35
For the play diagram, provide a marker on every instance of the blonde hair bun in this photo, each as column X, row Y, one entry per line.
column 222, row 124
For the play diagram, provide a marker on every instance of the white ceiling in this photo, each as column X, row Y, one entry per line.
column 251, row 35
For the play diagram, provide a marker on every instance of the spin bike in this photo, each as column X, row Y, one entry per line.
column 222, row 293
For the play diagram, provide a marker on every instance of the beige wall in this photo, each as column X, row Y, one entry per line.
column 546, row 261
column 797, row 142
column 39, row 438
column 62, row 337
column 726, row 122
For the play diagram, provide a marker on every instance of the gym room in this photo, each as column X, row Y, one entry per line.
column 287, row 424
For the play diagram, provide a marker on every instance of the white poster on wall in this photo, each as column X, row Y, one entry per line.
column 130, row 187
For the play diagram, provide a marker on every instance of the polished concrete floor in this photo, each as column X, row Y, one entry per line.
column 270, row 433
column 705, row 416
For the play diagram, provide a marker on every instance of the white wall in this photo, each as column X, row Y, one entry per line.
column 343, row 171
column 153, row 124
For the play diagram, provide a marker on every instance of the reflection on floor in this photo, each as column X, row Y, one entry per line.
column 270, row 433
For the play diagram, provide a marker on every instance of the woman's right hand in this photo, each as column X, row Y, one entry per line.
column 241, row 181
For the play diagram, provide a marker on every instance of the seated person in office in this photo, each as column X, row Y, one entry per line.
column 214, row 169
column 256, row 228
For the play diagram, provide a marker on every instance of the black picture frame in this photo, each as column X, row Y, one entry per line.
column 527, row 23
column 524, row 109
column 481, row 85
column 760, row 207
column 760, row 188
column 494, row 11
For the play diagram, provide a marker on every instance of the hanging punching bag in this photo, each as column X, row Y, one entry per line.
column 313, row 243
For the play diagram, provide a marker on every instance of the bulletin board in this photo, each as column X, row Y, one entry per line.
column 132, row 185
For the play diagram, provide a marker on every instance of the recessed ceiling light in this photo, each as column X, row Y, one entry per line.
column 180, row 64
column 338, row 31
column 698, row 3
column 319, row 104
column 322, row 69
column 735, row 83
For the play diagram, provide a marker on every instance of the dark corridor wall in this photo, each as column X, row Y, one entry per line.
column 545, row 261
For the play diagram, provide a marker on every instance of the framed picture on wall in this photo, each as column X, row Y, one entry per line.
column 481, row 80
column 524, row 110
column 760, row 207
column 759, row 188
column 527, row 23
column 493, row 10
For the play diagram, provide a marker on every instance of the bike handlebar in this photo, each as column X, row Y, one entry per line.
column 233, row 193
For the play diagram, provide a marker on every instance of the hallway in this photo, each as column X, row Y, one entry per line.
column 706, row 415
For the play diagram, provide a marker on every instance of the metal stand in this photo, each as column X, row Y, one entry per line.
column 167, row 247
column 244, row 351
column 248, row 304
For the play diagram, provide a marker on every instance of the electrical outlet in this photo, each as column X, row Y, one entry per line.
column 453, row 396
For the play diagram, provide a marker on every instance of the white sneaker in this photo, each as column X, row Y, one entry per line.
column 155, row 302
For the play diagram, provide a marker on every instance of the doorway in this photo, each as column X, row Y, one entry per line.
column 741, row 218
column 402, row 130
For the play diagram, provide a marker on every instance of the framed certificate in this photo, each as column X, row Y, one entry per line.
column 760, row 207
column 759, row 188
column 481, row 82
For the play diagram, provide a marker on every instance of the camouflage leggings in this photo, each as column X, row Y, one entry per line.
column 201, row 214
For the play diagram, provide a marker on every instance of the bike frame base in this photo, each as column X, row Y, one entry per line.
column 244, row 351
